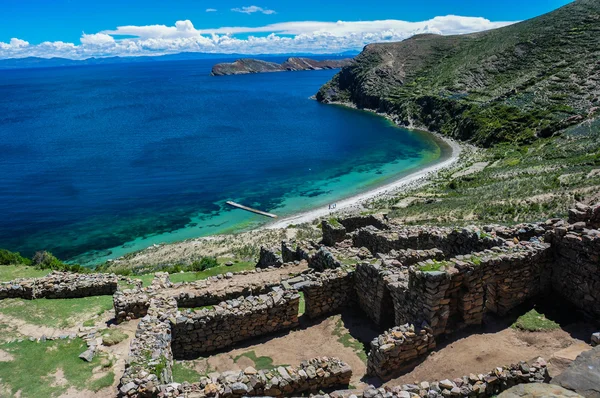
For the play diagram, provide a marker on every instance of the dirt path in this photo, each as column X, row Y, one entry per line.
column 19, row 328
column 480, row 353
column 318, row 340
column 118, row 353
column 24, row 329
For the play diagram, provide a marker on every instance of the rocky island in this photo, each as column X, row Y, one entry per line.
column 247, row 65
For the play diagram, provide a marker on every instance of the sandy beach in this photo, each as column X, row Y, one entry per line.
column 226, row 245
column 353, row 203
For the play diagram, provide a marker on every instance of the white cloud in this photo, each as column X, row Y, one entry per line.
column 14, row 43
column 286, row 37
column 252, row 9
column 97, row 39
column 448, row 25
column 211, row 10
column 18, row 43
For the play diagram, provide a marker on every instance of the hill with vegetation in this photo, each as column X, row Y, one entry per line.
column 517, row 83
column 247, row 65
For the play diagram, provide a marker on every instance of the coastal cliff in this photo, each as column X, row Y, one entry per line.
column 517, row 83
column 247, row 65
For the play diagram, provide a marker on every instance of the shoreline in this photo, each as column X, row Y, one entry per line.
column 354, row 203
column 174, row 251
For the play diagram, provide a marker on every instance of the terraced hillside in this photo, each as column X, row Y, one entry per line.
column 515, row 84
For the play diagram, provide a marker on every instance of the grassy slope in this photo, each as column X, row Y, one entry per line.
column 59, row 313
column 521, row 183
column 33, row 364
column 12, row 272
column 511, row 84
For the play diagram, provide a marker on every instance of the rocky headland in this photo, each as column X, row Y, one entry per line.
column 247, row 65
column 515, row 84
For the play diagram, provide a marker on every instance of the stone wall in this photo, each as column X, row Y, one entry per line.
column 590, row 215
column 150, row 358
column 451, row 294
column 576, row 268
column 60, row 285
column 394, row 349
column 410, row 257
column 352, row 223
column 19, row 288
column 310, row 376
column 206, row 330
column 194, row 299
column 474, row 385
column 327, row 292
column 269, row 257
column 333, row 232
column 372, row 294
column 450, row 241
column 133, row 303
column 337, row 230
column 322, row 260
column 292, row 251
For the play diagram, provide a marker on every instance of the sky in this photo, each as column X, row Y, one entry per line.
column 81, row 29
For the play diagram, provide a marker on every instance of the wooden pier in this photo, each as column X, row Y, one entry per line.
column 250, row 209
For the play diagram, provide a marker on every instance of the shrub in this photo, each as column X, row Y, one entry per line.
column 46, row 260
column 112, row 337
column 204, row 264
column 533, row 321
column 10, row 258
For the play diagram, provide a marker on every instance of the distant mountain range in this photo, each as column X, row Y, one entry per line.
column 37, row 62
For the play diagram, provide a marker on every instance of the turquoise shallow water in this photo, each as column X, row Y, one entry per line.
column 100, row 161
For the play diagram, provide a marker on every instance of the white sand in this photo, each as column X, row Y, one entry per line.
column 355, row 202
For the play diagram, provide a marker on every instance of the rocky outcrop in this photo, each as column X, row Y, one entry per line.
column 536, row 390
column 246, row 65
column 583, row 375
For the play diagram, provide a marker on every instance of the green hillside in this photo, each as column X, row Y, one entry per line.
column 515, row 84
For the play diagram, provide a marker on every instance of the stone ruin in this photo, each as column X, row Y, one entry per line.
column 416, row 283
column 60, row 285
column 474, row 385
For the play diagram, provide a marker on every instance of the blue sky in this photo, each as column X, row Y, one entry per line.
column 61, row 24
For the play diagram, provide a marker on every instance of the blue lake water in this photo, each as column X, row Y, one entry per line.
column 99, row 161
